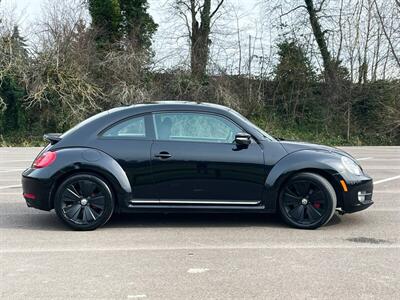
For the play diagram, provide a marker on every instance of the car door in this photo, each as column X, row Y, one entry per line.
column 195, row 161
column 129, row 142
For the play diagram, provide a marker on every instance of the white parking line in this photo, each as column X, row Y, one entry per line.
column 222, row 247
column 197, row 270
column 387, row 179
column 386, row 159
column 9, row 194
column 375, row 183
column 11, row 170
column 364, row 158
column 137, row 296
column 12, row 161
column 10, row 187
column 385, row 209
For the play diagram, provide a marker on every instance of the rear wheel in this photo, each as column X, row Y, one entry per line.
column 84, row 202
column 307, row 201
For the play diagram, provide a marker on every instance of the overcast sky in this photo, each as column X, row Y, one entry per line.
column 29, row 10
column 170, row 42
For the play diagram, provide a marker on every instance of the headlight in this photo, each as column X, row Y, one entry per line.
column 351, row 166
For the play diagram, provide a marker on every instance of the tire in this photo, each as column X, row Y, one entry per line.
column 84, row 202
column 307, row 201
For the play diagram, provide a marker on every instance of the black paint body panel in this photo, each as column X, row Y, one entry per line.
column 230, row 173
column 248, row 178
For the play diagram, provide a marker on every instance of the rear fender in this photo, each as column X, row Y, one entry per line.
column 77, row 160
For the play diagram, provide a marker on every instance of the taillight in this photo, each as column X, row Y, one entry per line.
column 44, row 160
column 29, row 196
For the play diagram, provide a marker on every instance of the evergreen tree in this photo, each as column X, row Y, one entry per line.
column 115, row 19
column 18, row 44
column 139, row 25
column 14, row 52
column 106, row 21
column 294, row 77
column 13, row 117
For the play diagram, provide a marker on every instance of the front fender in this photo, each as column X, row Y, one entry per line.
column 323, row 162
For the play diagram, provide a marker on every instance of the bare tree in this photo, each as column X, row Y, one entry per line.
column 381, row 19
column 199, row 26
column 60, row 73
column 330, row 66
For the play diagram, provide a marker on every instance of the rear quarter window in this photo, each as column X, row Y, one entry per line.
column 131, row 128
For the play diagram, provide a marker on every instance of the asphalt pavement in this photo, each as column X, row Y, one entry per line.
column 206, row 256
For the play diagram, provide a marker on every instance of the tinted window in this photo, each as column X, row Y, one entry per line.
column 197, row 127
column 132, row 128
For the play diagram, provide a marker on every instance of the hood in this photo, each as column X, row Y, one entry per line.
column 292, row 146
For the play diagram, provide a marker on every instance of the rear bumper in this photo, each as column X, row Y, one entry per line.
column 359, row 195
column 36, row 192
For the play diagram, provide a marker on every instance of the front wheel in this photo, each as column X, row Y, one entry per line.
column 84, row 202
column 307, row 201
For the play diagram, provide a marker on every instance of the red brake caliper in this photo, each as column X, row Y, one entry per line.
column 317, row 204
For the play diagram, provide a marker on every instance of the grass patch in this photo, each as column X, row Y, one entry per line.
column 22, row 141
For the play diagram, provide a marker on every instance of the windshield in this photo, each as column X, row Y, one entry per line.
column 258, row 129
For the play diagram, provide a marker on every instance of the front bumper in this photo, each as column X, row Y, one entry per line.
column 359, row 195
column 36, row 192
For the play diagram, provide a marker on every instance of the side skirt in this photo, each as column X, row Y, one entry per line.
column 192, row 202
column 180, row 208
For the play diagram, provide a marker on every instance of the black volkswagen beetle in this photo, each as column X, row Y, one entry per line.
column 189, row 157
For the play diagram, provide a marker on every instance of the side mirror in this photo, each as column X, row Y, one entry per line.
column 243, row 139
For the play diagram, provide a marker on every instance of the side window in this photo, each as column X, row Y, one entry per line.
column 131, row 128
column 198, row 127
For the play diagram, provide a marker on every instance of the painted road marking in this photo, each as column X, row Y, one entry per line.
column 375, row 183
column 10, row 187
column 384, row 209
column 197, row 270
column 222, row 247
column 385, row 159
column 387, row 179
column 19, row 160
column 6, row 179
column 364, row 158
column 386, row 191
column 12, row 170
column 9, row 194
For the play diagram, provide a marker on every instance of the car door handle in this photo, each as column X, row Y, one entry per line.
column 163, row 155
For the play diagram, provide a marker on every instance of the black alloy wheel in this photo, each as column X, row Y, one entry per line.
column 84, row 202
column 307, row 201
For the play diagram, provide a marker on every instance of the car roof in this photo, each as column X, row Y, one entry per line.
column 157, row 106
column 94, row 124
column 115, row 114
column 172, row 104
